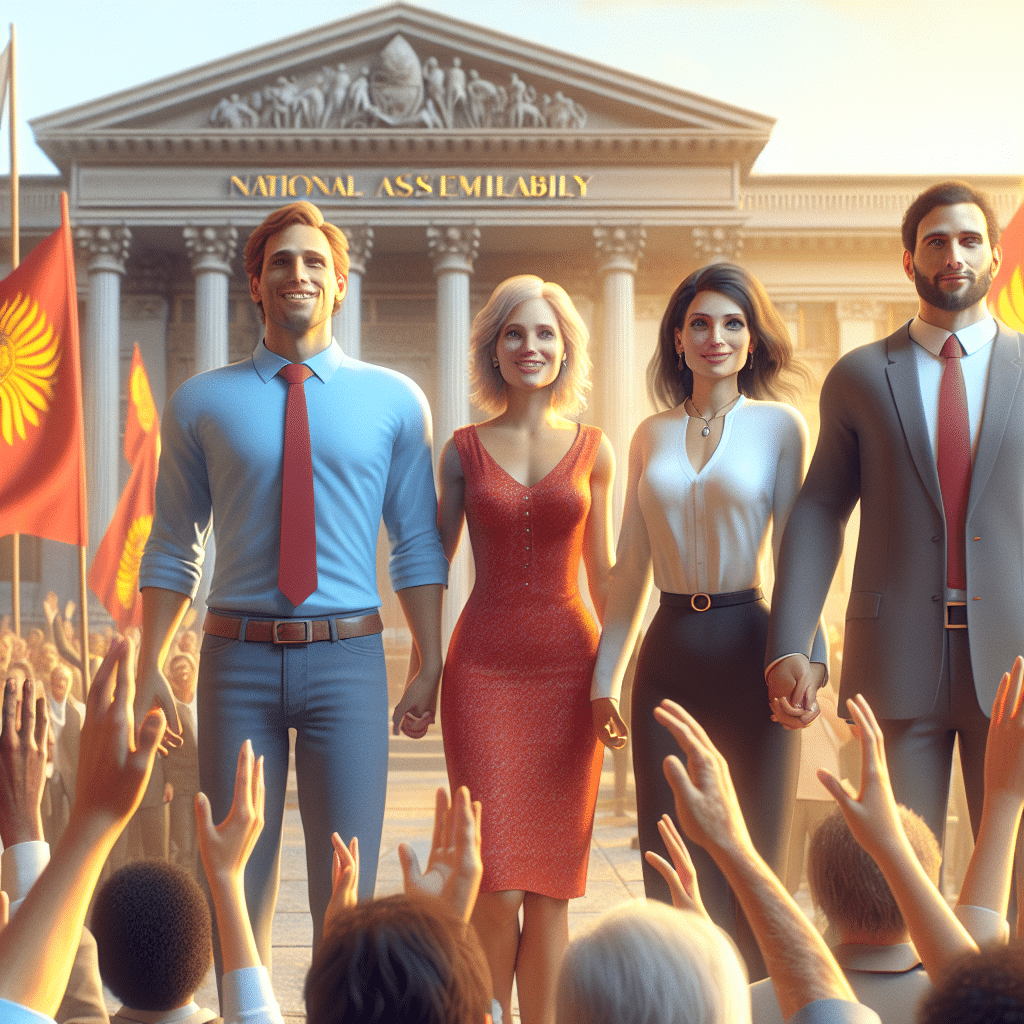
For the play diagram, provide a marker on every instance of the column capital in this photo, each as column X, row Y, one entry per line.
column 453, row 249
column 714, row 244
column 360, row 245
column 860, row 309
column 105, row 246
column 211, row 247
column 619, row 248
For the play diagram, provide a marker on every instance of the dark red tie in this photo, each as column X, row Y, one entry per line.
column 296, row 570
column 954, row 461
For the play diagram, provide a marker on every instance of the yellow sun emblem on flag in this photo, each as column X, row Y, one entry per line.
column 131, row 556
column 29, row 354
column 142, row 399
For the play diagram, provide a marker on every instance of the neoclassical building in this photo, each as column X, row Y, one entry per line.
column 453, row 156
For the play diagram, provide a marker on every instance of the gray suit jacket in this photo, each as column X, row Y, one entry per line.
column 874, row 447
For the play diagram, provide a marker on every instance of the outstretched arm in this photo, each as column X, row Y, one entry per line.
column 801, row 967
column 987, row 882
column 225, row 850
column 875, row 823
column 415, row 712
column 38, row 947
column 162, row 611
column 629, row 587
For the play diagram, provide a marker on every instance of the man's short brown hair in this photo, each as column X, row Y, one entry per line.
column 294, row 213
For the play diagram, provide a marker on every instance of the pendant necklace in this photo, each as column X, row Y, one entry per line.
column 706, row 429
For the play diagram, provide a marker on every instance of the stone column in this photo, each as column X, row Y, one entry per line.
column 210, row 250
column 347, row 322
column 790, row 313
column 106, row 250
column 452, row 252
column 619, row 252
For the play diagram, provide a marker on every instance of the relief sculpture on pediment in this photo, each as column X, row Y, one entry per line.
column 396, row 90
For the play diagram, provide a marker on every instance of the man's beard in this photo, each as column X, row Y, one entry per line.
column 953, row 302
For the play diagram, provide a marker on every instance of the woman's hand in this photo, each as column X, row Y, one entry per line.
column 608, row 724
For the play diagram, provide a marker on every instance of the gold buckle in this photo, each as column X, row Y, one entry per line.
column 290, row 624
column 693, row 602
column 956, row 625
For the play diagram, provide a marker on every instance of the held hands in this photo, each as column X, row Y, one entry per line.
column 454, row 868
column 24, row 741
column 680, row 874
column 706, row 803
column 155, row 691
column 608, row 724
column 114, row 762
column 793, row 683
column 414, row 713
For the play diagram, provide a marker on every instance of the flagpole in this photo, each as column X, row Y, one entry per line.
column 15, row 260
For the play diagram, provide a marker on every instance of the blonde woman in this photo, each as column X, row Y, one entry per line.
column 533, row 486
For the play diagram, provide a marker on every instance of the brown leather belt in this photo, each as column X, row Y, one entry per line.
column 291, row 631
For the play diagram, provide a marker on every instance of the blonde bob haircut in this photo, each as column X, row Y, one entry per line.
column 486, row 382
column 648, row 963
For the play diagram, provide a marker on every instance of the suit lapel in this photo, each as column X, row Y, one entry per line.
column 901, row 372
column 1004, row 375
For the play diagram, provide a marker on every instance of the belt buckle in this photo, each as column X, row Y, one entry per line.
column 693, row 602
column 307, row 631
column 956, row 625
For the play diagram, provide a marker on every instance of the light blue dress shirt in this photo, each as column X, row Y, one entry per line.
column 223, row 437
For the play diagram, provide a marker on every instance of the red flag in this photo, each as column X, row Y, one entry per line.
column 42, row 453
column 1006, row 296
column 114, row 574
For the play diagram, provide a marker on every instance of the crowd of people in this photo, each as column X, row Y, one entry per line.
column 50, row 658
column 416, row 956
column 923, row 428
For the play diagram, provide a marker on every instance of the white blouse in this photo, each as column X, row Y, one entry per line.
column 708, row 531
column 703, row 532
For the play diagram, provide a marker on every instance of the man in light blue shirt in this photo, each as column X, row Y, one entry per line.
column 268, row 664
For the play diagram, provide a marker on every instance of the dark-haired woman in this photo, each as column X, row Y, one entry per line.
column 711, row 478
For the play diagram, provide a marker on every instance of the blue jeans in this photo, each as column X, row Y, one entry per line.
column 334, row 694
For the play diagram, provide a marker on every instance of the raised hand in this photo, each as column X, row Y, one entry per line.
column 24, row 744
column 680, row 874
column 706, row 802
column 114, row 763
column 344, row 880
column 454, row 868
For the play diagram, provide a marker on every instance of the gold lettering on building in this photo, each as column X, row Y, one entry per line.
column 412, row 185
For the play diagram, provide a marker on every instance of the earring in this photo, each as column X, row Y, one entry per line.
column 565, row 360
column 679, row 361
column 750, row 358
column 494, row 361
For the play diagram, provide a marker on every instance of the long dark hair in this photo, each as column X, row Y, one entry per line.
column 775, row 373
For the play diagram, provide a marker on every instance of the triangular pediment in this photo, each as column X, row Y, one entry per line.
column 395, row 69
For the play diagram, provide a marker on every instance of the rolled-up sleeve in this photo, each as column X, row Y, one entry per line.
column 174, row 553
column 410, row 500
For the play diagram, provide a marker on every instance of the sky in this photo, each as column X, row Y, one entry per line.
column 856, row 86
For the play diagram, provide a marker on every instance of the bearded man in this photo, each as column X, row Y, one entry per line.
column 926, row 429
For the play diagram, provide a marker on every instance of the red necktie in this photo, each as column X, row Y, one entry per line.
column 954, row 446
column 296, row 571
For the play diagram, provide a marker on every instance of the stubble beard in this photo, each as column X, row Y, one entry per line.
column 953, row 302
